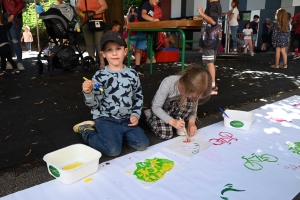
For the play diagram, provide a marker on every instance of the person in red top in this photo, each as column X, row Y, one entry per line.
column 12, row 10
column 296, row 20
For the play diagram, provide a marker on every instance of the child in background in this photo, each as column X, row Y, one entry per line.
column 296, row 24
column 211, row 33
column 254, row 26
column 116, row 26
column 146, row 13
column 116, row 107
column 5, row 49
column 248, row 32
column 281, row 33
column 265, row 31
column 27, row 38
column 176, row 101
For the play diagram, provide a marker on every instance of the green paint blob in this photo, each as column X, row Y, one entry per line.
column 54, row 171
column 152, row 170
column 236, row 124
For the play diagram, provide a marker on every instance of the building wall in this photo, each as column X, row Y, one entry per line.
column 263, row 8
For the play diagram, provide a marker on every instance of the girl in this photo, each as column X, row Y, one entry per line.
column 234, row 25
column 247, row 33
column 5, row 49
column 281, row 33
column 27, row 37
column 177, row 98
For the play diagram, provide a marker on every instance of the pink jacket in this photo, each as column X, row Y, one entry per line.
column 13, row 7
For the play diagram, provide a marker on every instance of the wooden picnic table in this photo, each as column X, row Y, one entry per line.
column 164, row 26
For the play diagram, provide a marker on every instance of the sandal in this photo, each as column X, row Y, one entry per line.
column 274, row 66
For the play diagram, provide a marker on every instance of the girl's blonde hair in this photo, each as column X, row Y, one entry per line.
column 282, row 20
column 197, row 81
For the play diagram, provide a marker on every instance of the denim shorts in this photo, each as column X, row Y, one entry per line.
column 254, row 37
column 139, row 44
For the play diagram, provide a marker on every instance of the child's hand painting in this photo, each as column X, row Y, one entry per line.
column 192, row 128
column 87, row 86
column 134, row 121
column 177, row 123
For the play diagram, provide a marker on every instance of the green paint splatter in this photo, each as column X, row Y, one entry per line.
column 229, row 188
column 294, row 147
column 152, row 170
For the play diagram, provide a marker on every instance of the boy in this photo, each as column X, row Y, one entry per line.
column 211, row 33
column 116, row 106
column 116, row 26
column 254, row 26
column 146, row 13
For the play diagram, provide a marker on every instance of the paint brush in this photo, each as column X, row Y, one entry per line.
column 224, row 112
column 95, row 85
column 186, row 134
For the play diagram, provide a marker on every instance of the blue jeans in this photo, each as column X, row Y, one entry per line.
column 236, row 40
column 14, row 34
column 28, row 45
column 110, row 133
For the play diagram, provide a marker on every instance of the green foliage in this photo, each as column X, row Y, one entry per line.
column 29, row 18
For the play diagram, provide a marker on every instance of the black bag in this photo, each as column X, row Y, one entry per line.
column 96, row 24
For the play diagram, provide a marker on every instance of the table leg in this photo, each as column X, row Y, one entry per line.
column 183, row 49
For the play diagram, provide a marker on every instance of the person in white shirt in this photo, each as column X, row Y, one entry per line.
column 234, row 25
column 247, row 33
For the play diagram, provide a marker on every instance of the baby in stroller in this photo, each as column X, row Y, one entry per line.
column 60, row 24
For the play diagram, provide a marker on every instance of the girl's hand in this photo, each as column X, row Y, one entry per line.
column 134, row 121
column 177, row 123
column 87, row 86
column 192, row 128
column 155, row 20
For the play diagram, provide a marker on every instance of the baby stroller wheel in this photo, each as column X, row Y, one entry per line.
column 88, row 63
column 40, row 67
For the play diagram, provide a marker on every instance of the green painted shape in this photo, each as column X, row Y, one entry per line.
column 152, row 170
column 54, row 171
column 236, row 124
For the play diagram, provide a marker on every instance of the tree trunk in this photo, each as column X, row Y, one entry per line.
column 114, row 12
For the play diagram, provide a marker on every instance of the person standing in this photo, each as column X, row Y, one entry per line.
column 234, row 25
column 12, row 10
column 92, row 37
column 280, row 35
column 265, row 32
column 27, row 38
column 296, row 20
column 254, row 26
column 211, row 36
column 247, row 33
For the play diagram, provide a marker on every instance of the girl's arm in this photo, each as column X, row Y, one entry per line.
column 207, row 18
column 22, row 38
column 227, row 13
column 31, row 38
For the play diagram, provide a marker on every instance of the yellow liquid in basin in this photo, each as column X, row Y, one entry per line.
column 72, row 166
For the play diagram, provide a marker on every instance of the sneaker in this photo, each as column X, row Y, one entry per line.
column 252, row 54
column 2, row 72
column 29, row 51
column 15, row 71
column 8, row 66
column 148, row 113
column 132, row 57
column 181, row 131
column 148, row 61
column 84, row 126
column 296, row 57
column 139, row 71
column 233, row 52
column 20, row 66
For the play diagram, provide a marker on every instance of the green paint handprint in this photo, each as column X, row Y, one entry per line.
column 294, row 147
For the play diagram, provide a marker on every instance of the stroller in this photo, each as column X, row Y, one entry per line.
column 60, row 24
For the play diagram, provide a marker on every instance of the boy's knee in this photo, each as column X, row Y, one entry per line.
column 143, row 145
column 113, row 151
